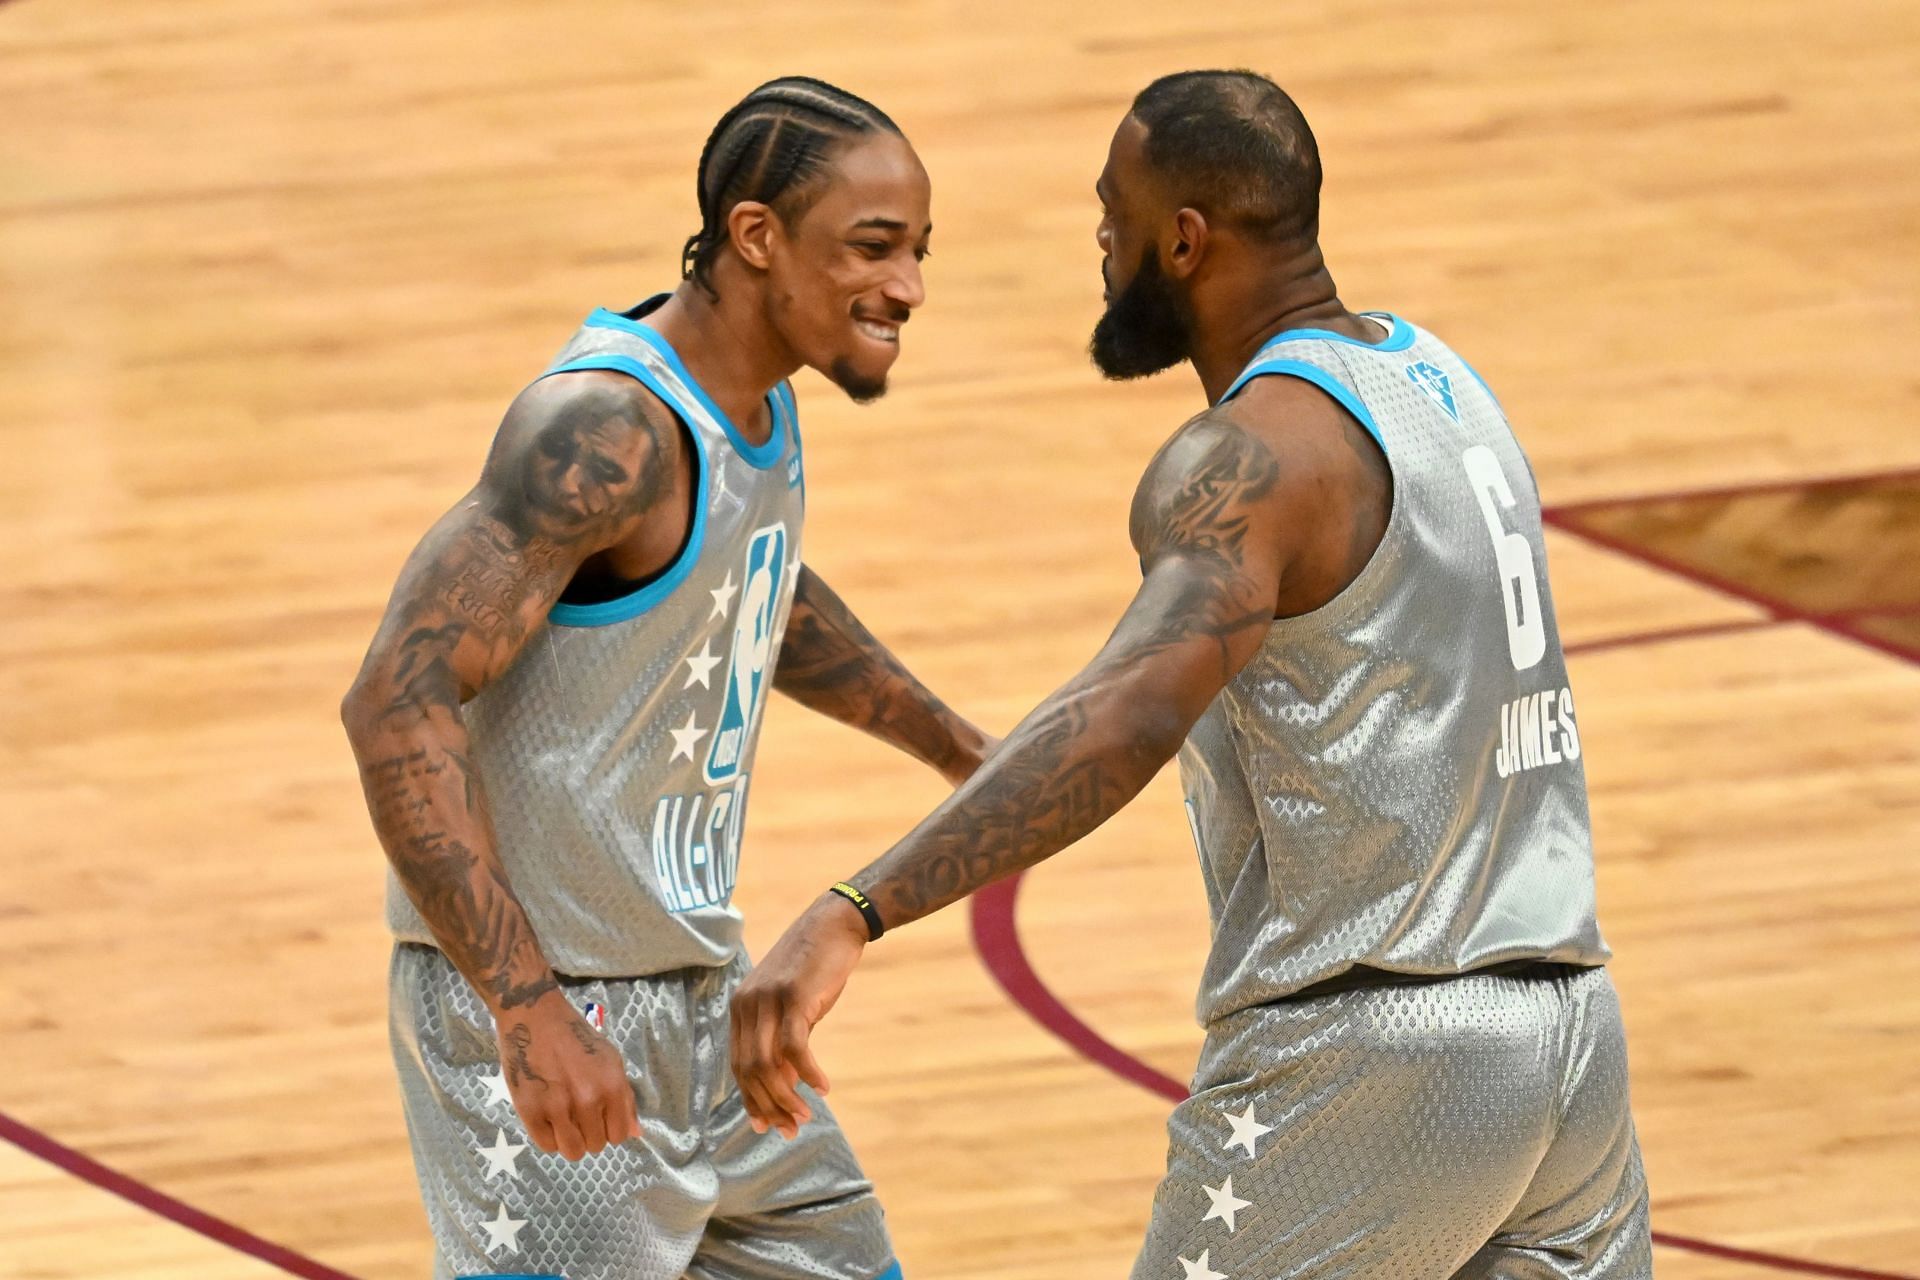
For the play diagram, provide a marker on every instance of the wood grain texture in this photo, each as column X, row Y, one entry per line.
column 272, row 271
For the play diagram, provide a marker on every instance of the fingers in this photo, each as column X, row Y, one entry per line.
column 590, row 1120
column 539, row 1130
column 770, row 1058
column 567, row 1137
column 623, row 1117
column 797, row 1047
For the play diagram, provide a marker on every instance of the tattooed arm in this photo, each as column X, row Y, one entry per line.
column 832, row 664
column 1206, row 523
column 583, row 462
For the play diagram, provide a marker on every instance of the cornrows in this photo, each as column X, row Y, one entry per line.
column 771, row 147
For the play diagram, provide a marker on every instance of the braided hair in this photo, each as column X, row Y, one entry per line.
column 771, row 147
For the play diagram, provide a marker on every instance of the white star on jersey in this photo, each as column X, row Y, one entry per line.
column 497, row 1090
column 685, row 739
column 503, row 1232
column 1225, row 1203
column 723, row 597
column 1200, row 1270
column 700, row 667
column 502, row 1156
column 1246, row 1130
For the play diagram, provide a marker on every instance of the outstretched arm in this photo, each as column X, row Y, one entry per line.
column 580, row 461
column 832, row 664
column 1206, row 526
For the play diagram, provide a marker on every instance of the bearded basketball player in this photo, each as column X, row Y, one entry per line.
column 1414, row 1064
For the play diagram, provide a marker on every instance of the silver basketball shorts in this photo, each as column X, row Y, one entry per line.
column 699, row 1194
column 1472, row 1127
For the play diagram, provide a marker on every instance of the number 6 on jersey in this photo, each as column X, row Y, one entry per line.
column 1526, row 627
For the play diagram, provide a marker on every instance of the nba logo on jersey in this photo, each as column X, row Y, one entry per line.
column 1439, row 387
column 752, row 649
column 596, row 1015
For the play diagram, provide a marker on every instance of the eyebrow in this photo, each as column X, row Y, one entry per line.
column 883, row 224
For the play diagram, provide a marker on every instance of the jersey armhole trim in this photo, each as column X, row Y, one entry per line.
column 1318, row 377
column 784, row 402
column 758, row 456
column 1483, row 384
column 634, row 603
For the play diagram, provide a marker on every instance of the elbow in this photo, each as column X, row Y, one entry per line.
column 359, row 713
column 1157, row 729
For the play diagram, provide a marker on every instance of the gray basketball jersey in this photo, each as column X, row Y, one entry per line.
column 616, row 750
column 1393, row 783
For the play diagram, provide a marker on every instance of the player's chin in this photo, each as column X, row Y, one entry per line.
column 862, row 373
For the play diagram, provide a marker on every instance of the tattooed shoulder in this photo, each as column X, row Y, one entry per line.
column 581, row 457
column 1197, row 493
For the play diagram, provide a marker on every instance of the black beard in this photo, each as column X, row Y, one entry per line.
column 859, row 390
column 1145, row 329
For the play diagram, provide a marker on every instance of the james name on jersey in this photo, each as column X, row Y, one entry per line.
column 1536, row 730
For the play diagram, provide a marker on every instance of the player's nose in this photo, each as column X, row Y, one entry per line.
column 907, row 287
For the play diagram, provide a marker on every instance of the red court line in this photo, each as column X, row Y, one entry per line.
column 1780, row 609
column 89, row 1170
column 1740, row 490
column 996, row 935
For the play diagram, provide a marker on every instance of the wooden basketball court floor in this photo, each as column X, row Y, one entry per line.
column 270, row 271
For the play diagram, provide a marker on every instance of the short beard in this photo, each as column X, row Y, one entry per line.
column 859, row 389
column 1146, row 329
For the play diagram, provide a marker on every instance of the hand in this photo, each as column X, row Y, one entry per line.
column 775, row 1009
column 569, row 1082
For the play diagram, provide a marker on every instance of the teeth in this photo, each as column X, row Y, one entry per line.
column 878, row 332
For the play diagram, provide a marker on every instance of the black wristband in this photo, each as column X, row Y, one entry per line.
column 868, row 912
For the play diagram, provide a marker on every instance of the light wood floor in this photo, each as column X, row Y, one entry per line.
column 269, row 271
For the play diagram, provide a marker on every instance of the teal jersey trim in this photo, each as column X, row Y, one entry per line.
column 1483, row 383
column 759, row 456
column 796, row 464
column 1318, row 377
column 1400, row 335
column 891, row 1273
column 635, row 603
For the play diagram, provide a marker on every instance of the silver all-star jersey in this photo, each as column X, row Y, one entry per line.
column 1393, row 783
column 616, row 750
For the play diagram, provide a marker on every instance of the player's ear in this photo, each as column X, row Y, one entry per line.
column 751, row 227
column 1189, row 243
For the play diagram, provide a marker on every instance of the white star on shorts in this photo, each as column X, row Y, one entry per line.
column 503, row 1232
column 1246, row 1130
column 1199, row 1270
column 497, row 1090
column 1225, row 1203
column 502, row 1156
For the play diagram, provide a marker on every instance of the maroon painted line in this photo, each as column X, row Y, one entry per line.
column 89, row 1170
column 1780, row 609
column 996, row 935
column 1744, row 490
column 1731, row 626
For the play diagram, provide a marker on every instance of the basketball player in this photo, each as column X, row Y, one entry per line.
column 556, row 727
column 1414, row 1064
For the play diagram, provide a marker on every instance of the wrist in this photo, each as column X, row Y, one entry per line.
column 971, row 748
column 535, row 1002
column 846, row 907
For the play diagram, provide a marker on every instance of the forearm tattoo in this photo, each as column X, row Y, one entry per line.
column 832, row 664
column 469, row 599
column 1089, row 749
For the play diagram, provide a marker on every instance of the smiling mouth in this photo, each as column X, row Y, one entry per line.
column 878, row 330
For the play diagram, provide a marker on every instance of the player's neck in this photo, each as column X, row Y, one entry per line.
column 1269, row 297
column 730, row 354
